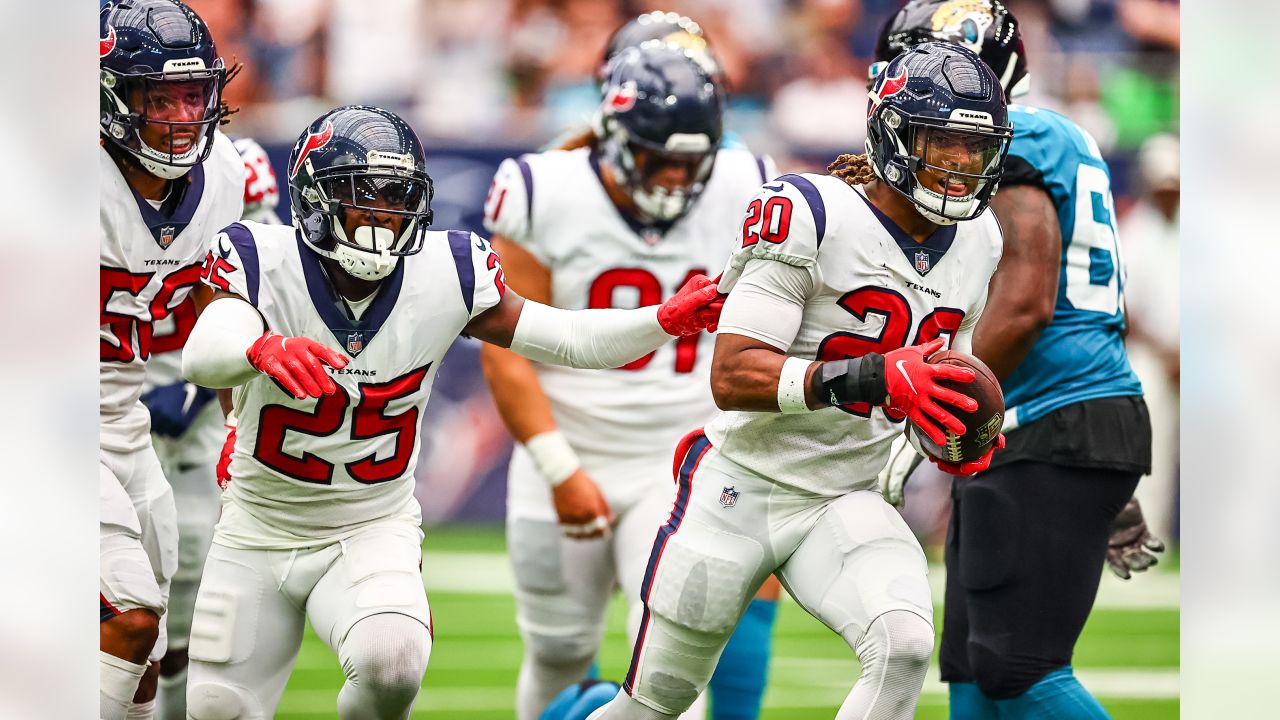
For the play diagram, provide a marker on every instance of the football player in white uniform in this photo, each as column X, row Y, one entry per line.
column 842, row 287
column 319, row 520
column 187, row 431
column 622, row 223
column 170, row 181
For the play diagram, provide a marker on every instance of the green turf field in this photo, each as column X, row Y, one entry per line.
column 1128, row 655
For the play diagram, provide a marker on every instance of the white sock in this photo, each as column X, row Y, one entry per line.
column 117, row 683
column 142, row 711
column 171, row 697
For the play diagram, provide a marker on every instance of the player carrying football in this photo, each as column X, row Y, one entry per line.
column 844, row 283
column 170, row 180
column 1028, row 535
column 621, row 222
column 331, row 331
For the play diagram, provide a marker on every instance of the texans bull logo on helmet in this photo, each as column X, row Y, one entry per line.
column 314, row 141
column 108, row 43
column 887, row 87
column 622, row 98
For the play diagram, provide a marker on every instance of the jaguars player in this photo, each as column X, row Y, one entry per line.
column 170, row 181
column 843, row 285
column 187, row 431
column 1028, row 535
column 621, row 222
column 330, row 332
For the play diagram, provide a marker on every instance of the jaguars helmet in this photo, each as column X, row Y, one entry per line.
column 669, row 27
column 938, row 130
column 986, row 27
column 362, row 167
column 661, row 109
column 158, row 67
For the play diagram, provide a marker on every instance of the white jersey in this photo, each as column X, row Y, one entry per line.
column 307, row 472
column 871, row 288
column 553, row 205
column 202, row 441
column 150, row 259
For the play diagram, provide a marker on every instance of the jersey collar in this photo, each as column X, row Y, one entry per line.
column 177, row 210
column 352, row 335
column 923, row 256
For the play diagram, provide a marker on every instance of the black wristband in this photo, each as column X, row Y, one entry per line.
column 860, row 379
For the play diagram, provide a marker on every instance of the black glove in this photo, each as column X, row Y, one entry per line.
column 1132, row 547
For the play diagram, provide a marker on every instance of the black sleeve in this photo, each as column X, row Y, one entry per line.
column 1017, row 171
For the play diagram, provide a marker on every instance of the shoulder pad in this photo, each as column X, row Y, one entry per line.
column 508, row 208
column 786, row 222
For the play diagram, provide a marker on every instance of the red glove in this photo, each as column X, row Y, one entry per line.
column 973, row 467
column 913, row 390
column 223, row 470
column 296, row 363
column 696, row 306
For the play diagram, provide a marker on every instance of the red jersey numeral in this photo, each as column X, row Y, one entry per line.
column 368, row 421
column 649, row 289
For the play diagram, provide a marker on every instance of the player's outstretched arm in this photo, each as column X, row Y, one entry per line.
column 526, row 411
column 1024, row 289
column 230, row 344
column 598, row 339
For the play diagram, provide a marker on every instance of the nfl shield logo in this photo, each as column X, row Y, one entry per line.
column 355, row 343
column 729, row 497
column 166, row 237
column 922, row 262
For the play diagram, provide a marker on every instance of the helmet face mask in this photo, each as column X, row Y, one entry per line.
column 938, row 131
column 361, row 194
column 659, row 126
column 161, row 84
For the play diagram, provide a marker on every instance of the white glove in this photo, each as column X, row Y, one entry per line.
column 904, row 457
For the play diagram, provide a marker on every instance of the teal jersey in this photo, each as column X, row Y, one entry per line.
column 1080, row 355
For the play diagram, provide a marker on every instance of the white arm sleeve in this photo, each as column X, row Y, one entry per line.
column 586, row 338
column 767, row 303
column 214, row 355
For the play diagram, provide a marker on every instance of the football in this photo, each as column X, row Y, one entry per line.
column 982, row 425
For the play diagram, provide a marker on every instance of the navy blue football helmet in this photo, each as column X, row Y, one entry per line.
column 669, row 27
column 363, row 165
column 984, row 26
column 160, row 75
column 938, row 130
column 661, row 110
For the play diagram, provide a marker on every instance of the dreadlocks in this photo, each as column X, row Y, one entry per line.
column 853, row 169
column 225, row 110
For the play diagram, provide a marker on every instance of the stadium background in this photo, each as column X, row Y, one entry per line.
column 482, row 80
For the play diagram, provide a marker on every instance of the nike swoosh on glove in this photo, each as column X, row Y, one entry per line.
column 297, row 363
column 694, row 308
column 913, row 390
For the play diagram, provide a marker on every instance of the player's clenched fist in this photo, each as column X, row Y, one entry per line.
column 296, row 363
column 911, row 385
column 696, row 306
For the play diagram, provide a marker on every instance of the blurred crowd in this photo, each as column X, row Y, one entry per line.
column 518, row 72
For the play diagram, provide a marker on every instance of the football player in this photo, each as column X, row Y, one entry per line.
column 170, row 181
column 330, row 332
column 187, row 432
column 621, row 222
column 1027, row 536
column 843, row 285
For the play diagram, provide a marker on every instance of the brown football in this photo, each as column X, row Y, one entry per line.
column 982, row 425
